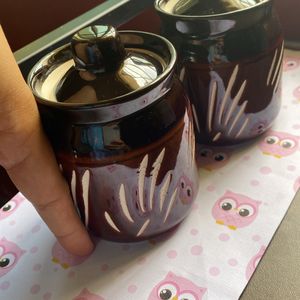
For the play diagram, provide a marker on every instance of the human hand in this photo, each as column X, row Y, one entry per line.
column 29, row 160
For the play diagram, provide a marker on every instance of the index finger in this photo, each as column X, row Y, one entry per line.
column 29, row 160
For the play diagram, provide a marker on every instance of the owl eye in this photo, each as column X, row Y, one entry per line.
column 271, row 140
column 187, row 296
column 220, row 156
column 287, row 144
column 9, row 206
column 246, row 210
column 291, row 63
column 228, row 204
column 189, row 191
column 167, row 292
column 7, row 260
column 205, row 152
column 182, row 183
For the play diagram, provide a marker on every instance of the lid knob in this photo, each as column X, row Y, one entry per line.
column 97, row 49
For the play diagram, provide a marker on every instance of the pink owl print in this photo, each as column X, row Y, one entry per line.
column 235, row 210
column 87, row 295
column 254, row 262
column 211, row 158
column 66, row 260
column 10, row 254
column 10, row 207
column 185, row 190
column 176, row 288
column 297, row 184
column 279, row 144
column 290, row 63
column 296, row 94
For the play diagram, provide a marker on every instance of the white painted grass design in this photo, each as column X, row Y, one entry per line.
column 165, row 207
column 227, row 116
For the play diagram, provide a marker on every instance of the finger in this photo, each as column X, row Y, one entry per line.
column 29, row 160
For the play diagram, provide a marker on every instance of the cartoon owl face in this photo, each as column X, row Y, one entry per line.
column 235, row 210
column 10, row 254
column 290, row 63
column 65, row 259
column 85, row 294
column 186, row 191
column 176, row 288
column 10, row 207
column 213, row 158
column 279, row 144
column 254, row 262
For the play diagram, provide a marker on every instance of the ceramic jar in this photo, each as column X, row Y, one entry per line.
column 121, row 127
column 230, row 57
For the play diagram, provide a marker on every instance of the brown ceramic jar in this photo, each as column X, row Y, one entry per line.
column 121, row 127
column 230, row 57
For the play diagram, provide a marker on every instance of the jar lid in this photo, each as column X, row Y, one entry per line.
column 102, row 66
column 204, row 7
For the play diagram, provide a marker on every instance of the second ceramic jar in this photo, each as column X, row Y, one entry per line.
column 230, row 62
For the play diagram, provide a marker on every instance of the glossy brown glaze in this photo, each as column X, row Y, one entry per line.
column 130, row 160
column 230, row 64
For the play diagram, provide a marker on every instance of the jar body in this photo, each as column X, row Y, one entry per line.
column 134, row 177
column 231, row 69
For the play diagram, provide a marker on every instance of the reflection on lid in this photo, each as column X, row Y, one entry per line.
column 204, row 7
column 139, row 69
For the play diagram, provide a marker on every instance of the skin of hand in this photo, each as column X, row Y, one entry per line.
column 26, row 155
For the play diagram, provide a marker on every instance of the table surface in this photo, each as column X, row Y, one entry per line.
column 278, row 274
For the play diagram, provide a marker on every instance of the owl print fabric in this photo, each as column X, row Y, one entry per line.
column 244, row 194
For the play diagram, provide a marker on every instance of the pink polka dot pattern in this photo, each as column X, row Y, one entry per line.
column 256, row 238
column 4, row 285
column 210, row 188
column 196, row 250
column 104, row 267
column 36, row 229
column 265, row 170
column 194, row 231
column 247, row 157
column 142, row 260
column 224, row 237
column 71, row 274
column 214, row 271
column 47, row 296
column 233, row 262
column 34, row 250
column 172, row 254
column 37, row 267
column 195, row 206
column 132, row 289
column 35, row 289
column 254, row 182
column 291, row 168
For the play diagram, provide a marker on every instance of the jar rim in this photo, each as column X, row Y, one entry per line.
column 157, row 6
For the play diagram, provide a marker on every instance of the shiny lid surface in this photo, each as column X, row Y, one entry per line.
column 101, row 66
column 204, row 7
